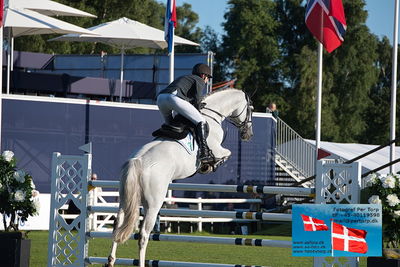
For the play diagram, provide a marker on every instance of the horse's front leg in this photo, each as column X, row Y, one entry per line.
column 147, row 226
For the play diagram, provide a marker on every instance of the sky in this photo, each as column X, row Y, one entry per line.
column 211, row 13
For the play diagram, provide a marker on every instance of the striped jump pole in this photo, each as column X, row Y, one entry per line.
column 158, row 263
column 207, row 213
column 204, row 239
column 300, row 191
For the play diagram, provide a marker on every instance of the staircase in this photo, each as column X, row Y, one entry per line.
column 289, row 168
column 293, row 154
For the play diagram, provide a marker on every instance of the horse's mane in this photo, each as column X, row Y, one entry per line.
column 218, row 91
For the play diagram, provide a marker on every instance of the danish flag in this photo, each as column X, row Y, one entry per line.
column 326, row 21
column 313, row 224
column 348, row 239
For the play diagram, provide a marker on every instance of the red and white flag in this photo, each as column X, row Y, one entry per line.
column 1, row 12
column 313, row 224
column 326, row 21
column 348, row 239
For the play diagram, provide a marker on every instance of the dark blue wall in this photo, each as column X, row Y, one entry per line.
column 36, row 129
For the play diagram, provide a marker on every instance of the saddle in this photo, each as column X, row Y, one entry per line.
column 177, row 130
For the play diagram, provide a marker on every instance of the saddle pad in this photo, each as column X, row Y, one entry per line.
column 189, row 143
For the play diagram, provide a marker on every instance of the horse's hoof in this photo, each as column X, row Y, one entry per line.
column 205, row 168
column 110, row 262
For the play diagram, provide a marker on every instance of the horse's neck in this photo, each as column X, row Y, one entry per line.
column 224, row 102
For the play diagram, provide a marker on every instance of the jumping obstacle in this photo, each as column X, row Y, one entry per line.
column 70, row 175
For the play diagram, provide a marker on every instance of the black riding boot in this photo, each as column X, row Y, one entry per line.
column 201, row 134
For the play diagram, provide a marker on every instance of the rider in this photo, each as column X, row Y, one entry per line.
column 183, row 97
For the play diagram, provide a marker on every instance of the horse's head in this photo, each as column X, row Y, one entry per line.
column 242, row 118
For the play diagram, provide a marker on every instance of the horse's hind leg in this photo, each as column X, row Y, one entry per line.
column 148, row 225
column 112, row 256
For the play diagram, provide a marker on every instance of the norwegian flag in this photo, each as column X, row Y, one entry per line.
column 313, row 224
column 348, row 239
column 170, row 23
column 1, row 12
column 326, row 21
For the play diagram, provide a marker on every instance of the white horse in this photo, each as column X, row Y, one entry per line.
column 146, row 176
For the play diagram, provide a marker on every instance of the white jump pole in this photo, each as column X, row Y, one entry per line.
column 204, row 239
column 134, row 262
column 223, row 188
column 207, row 213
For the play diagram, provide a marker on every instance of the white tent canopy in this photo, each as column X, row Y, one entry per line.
column 349, row 151
column 125, row 33
column 49, row 8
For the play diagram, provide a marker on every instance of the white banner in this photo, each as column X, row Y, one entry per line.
column 38, row 222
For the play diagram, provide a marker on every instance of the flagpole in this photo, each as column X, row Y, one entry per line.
column 1, row 84
column 8, row 61
column 172, row 58
column 122, row 73
column 318, row 107
column 332, row 237
column 394, row 85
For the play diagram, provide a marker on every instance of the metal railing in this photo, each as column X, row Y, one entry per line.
column 294, row 149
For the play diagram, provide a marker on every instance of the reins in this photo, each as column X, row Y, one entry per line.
column 229, row 119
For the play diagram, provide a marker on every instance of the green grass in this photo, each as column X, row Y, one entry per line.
column 189, row 252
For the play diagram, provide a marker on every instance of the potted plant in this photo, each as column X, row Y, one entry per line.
column 385, row 190
column 18, row 200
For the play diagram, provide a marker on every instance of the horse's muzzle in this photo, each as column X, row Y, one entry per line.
column 246, row 134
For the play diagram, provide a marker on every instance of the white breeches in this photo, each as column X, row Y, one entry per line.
column 167, row 103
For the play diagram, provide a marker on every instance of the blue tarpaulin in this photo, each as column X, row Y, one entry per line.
column 35, row 127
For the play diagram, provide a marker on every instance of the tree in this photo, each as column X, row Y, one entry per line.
column 377, row 116
column 186, row 28
column 211, row 41
column 250, row 47
column 352, row 70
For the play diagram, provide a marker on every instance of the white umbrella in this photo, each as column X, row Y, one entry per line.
column 49, row 8
column 20, row 22
column 125, row 33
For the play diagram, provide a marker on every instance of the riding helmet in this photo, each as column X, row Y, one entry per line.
column 201, row 68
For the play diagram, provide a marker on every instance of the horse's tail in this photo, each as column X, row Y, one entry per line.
column 130, row 196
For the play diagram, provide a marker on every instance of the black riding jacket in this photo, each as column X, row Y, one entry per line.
column 188, row 87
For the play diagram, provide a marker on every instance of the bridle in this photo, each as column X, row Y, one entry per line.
column 241, row 125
